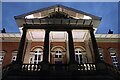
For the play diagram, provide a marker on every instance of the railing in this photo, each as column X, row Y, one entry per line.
column 58, row 67
column 87, row 67
column 31, row 67
column 53, row 67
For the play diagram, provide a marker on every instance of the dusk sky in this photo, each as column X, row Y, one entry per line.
column 107, row 10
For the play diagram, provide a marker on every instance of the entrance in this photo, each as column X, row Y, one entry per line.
column 58, row 62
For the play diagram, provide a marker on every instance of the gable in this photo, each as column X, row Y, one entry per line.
column 46, row 12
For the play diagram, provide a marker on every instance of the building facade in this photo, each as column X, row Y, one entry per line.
column 108, row 44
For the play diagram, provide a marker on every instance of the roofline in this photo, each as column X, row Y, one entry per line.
column 62, row 6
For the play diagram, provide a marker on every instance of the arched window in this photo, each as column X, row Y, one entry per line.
column 101, row 53
column 14, row 55
column 58, row 53
column 113, row 56
column 38, row 56
column 80, row 56
column 2, row 53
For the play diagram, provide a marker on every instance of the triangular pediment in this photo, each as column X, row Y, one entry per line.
column 62, row 12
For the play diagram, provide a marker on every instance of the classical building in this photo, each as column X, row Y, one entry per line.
column 59, row 35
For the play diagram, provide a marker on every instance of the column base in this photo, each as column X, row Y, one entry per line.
column 100, row 66
column 44, row 66
column 73, row 67
column 17, row 66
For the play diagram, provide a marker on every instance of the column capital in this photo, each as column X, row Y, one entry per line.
column 91, row 29
column 24, row 29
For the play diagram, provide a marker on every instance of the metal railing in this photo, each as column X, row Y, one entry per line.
column 87, row 67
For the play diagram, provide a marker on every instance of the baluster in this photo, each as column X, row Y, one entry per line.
column 87, row 66
column 90, row 66
column 27, row 67
column 83, row 67
column 34, row 67
column 30, row 66
column 23, row 67
column 39, row 67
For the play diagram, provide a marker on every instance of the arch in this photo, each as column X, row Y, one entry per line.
column 61, row 47
column 81, row 47
column 3, row 51
column 33, row 48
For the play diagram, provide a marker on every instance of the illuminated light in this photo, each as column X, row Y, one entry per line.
column 29, row 16
column 87, row 17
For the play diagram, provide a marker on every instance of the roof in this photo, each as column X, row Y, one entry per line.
column 43, row 16
column 61, row 7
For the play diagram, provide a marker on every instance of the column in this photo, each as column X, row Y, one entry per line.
column 21, row 46
column 95, row 47
column 45, row 63
column 71, row 48
column 46, row 47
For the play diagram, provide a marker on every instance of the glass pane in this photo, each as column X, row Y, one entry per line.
column 79, row 51
column 76, row 51
column 60, row 52
column 35, row 51
column 60, row 56
column 39, row 57
column 56, row 56
column 56, row 52
column 35, row 57
column 80, row 57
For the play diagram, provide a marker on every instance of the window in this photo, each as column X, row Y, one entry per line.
column 78, row 56
column 14, row 58
column 1, row 59
column 113, row 56
column 2, row 53
column 114, row 59
column 30, row 60
column 38, row 56
column 101, row 53
column 14, row 55
column 58, row 53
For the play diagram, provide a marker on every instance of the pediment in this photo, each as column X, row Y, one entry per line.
column 59, row 11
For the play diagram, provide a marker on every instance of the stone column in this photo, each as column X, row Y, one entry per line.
column 46, row 46
column 100, row 66
column 72, row 62
column 71, row 47
column 21, row 46
column 45, row 63
column 95, row 47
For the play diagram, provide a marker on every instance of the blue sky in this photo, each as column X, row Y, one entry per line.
column 107, row 10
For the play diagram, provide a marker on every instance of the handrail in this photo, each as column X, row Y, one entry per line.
column 80, row 67
column 31, row 67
